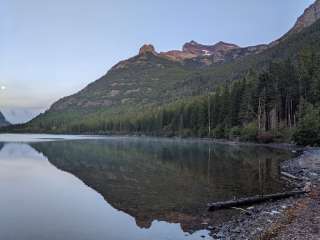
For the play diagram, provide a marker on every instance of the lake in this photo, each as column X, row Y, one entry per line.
column 118, row 188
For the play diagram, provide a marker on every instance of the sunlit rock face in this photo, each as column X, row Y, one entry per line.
column 193, row 49
column 147, row 48
column 200, row 49
column 310, row 16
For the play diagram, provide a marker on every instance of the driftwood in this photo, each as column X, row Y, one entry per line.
column 252, row 200
column 288, row 175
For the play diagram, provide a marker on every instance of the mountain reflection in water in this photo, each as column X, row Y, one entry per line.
column 168, row 180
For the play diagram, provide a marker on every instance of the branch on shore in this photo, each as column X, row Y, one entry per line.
column 288, row 175
column 252, row 200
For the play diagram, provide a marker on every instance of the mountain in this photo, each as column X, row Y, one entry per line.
column 151, row 79
column 144, row 78
column 193, row 49
column 211, row 54
column 3, row 121
column 310, row 16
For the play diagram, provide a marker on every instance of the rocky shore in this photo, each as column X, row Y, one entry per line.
column 292, row 218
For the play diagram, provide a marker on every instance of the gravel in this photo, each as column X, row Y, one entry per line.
column 292, row 218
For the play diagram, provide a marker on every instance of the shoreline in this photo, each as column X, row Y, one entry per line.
column 280, row 219
column 265, row 220
column 280, row 145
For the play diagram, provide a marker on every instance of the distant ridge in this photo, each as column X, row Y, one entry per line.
column 3, row 121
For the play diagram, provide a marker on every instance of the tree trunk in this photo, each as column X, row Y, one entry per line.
column 252, row 200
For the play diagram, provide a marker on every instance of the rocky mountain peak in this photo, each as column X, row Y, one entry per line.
column 310, row 16
column 191, row 46
column 203, row 50
column 147, row 48
column 191, row 50
column 222, row 44
column 193, row 42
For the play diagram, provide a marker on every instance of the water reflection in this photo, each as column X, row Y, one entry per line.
column 167, row 180
column 39, row 202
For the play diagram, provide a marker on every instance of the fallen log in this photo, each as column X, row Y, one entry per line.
column 288, row 175
column 252, row 200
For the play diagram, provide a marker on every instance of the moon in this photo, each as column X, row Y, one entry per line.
column 3, row 87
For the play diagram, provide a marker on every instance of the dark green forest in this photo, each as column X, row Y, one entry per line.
column 280, row 103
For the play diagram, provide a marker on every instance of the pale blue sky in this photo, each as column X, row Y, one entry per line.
column 50, row 49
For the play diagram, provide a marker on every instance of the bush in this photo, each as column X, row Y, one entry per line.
column 219, row 132
column 234, row 132
column 186, row 133
column 284, row 134
column 308, row 130
column 249, row 132
column 202, row 132
column 266, row 137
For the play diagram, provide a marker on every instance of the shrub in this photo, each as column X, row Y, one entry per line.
column 284, row 134
column 202, row 132
column 308, row 130
column 265, row 137
column 186, row 133
column 249, row 132
column 234, row 132
column 219, row 132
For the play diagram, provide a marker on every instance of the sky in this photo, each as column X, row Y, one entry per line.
column 51, row 49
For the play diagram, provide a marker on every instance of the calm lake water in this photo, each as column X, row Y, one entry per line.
column 121, row 188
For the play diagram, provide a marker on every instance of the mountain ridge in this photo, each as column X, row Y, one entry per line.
column 151, row 78
column 3, row 121
column 310, row 15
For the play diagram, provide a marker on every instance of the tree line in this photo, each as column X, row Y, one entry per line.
column 281, row 102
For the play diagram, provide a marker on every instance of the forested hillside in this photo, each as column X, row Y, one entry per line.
column 274, row 104
column 263, row 96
